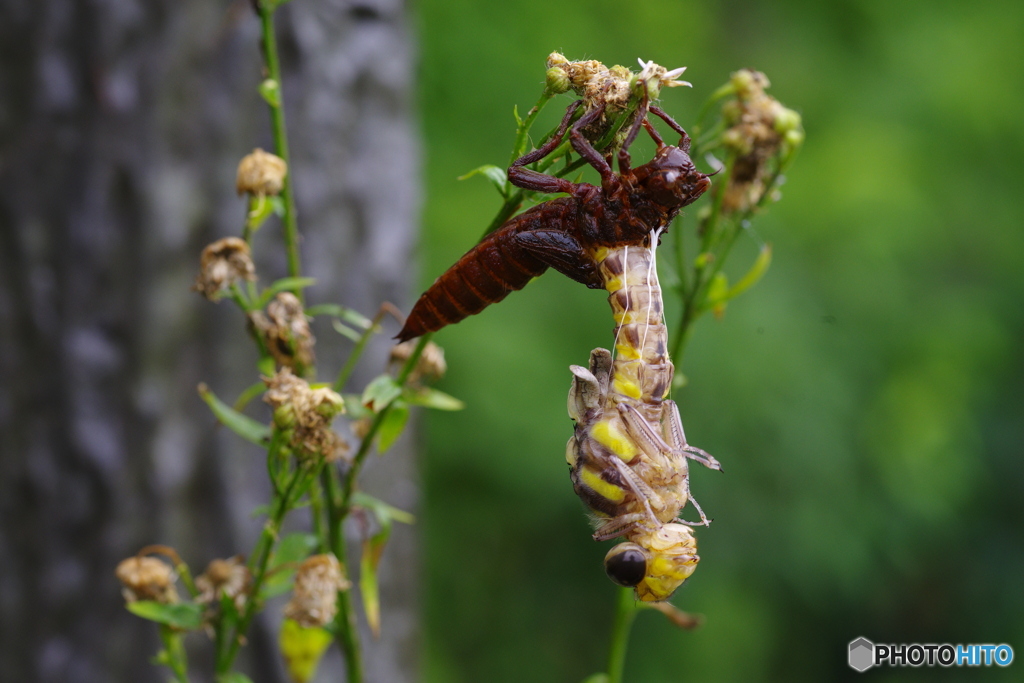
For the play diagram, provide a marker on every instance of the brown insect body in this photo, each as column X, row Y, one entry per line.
column 562, row 233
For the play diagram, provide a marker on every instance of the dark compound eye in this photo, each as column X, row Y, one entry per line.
column 626, row 566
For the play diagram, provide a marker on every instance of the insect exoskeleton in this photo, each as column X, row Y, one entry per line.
column 655, row 561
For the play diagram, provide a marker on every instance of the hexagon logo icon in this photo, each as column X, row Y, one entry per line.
column 862, row 654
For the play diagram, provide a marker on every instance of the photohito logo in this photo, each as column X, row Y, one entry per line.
column 864, row 654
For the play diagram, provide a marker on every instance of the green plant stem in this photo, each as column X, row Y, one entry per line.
column 692, row 295
column 524, row 128
column 291, row 227
column 625, row 613
column 177, row 660
column 349, row 484
column 258, row 561
column 514, row 201
column 338, row 505
column 357, row 352
column 345, row 627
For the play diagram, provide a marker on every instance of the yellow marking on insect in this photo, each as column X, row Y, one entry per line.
column 600, row 253
column 626, row 387
column 593, row 481
column 627, row 351
column 613, row 283
column 608, row 434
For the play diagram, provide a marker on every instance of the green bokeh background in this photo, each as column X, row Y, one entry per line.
column 864, row 398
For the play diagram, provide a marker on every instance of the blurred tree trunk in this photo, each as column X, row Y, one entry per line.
column 121, row 124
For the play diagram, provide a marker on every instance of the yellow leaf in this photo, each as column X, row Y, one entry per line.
column 302, row 649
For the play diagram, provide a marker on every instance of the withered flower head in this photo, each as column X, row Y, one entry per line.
column 261, row 174
column 431, row 363
column 147, row 578
column 223, row 263
column 224, row 577
column 594, row 82
column 285, row 330
column 307, row 413
column 315, row 598
column 760, row 129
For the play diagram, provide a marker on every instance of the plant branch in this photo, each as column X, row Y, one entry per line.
column 291, row 229
column 625, row 613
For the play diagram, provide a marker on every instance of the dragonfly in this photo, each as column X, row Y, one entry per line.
column 628, row 456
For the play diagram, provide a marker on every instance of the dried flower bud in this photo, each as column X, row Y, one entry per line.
column 431, row 363
column 221, row 264
column 557, row 81
column 308, row 414
column 261, row 174
column 315, row 598
column 761, row 129
column 224, row 577
column 147, row 578
column 285, row 330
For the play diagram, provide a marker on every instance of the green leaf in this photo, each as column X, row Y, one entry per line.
column 381, row 391
column 717, row 294
column 345, row 331
column 381, row 510
column 234, row 677
column 184, row 615
column 493, row 173
column 302, row 649
column 597, row 678
column 347, row 314
column 369, row 588
column 246, row 427
column 270, row 90
column 392, row 427
column 278, row 205
column 354, row 407
column 260, row 208
column 756, row 272
column 432, row 398
column 285, row 284
column 251, row 392
column 266, row 366
column 292, row 549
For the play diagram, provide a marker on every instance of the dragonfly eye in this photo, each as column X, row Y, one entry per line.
column 626, row 564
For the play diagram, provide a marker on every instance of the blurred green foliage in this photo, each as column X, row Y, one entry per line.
column 865, row 398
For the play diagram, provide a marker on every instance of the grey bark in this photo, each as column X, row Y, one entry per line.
column 121, row 123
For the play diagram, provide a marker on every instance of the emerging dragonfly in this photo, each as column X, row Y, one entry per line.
column 628, row 455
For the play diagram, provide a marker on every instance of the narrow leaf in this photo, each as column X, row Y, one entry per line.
column 381, row 391
column 184, row 615
column 432, row 398
column 392, row 426
column 347, row 314
column 494, row 174
column 246, row 427
column 381, row 510
column 285, row 284
column 345, row 331
column 369, row 587
column 756, row 272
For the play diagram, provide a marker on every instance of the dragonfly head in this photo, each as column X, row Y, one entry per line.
column 670, row 178
column 654, row 561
